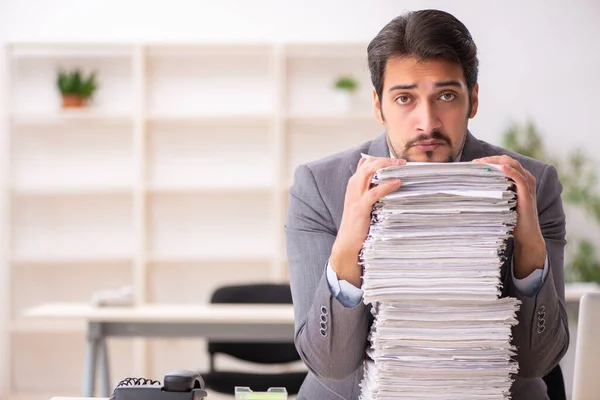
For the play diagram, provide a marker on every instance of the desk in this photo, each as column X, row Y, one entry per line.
column 239, row 322
column 574, row 291
column 258, row 323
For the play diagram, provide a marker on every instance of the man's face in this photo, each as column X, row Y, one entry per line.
column 424, row 107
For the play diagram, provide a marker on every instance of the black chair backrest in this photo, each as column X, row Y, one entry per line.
column 265, row 353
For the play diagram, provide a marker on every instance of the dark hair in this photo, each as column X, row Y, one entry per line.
column 425, row 35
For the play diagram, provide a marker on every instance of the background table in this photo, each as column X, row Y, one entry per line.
column 248, row 323
column 221, row 322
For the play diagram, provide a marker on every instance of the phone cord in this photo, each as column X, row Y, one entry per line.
column 133, row 382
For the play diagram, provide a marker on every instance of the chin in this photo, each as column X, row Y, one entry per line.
column 430, row 156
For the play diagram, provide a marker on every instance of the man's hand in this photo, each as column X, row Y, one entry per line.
column 356, row 217
column 530, row 247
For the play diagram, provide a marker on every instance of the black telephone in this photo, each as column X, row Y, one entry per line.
column 178, row 385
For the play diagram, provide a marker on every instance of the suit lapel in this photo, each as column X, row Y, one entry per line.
column 378, row 148
column 472, row 149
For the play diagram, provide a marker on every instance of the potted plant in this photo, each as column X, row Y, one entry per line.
column 76, row 90
column 344, row 87
column 579, row 178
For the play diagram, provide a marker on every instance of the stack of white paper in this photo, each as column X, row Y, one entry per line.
column 432, row 263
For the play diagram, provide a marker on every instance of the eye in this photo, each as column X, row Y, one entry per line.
column 403, row 100
column 447, row 97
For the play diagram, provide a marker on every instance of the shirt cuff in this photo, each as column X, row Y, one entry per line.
column 530, row 285
column 346, row 293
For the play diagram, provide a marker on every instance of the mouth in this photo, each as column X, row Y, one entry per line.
column 429, row 145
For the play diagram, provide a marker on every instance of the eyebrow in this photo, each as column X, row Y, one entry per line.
column 448, row 83
column 437, row 85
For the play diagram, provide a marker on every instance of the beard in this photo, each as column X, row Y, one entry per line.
column 430, row 155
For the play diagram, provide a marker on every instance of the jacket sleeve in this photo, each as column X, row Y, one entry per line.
column 542, row 334
column 331, row 339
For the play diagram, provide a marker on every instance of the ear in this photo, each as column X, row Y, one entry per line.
column 377, row 108
column 474, row 100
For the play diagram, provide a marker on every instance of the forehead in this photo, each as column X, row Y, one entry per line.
column 410, row 70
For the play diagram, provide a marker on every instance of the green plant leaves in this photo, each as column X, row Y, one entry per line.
column 73, row 83
column 346, row 83
column 579, row 179
column 584, row 266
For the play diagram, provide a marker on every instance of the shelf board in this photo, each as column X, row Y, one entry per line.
column 71, row 190
column 71, row 116
column 212, row 119
column 207, row 49
column 75, row 260
column 200, row 189
column 24, row 50
column 224, row 258
column 47, row 326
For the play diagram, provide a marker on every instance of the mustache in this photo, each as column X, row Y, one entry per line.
column 435, row 135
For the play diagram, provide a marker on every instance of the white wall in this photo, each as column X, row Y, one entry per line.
column 539, row 59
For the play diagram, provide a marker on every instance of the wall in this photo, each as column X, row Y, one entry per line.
column 538, row 59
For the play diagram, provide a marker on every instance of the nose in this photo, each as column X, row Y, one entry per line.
column 427, row 120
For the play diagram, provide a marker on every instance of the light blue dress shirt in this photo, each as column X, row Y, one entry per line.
column 350, row 296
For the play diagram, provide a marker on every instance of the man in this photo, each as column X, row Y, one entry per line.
column 424, row 71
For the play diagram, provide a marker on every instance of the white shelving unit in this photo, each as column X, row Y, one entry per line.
column 175, row 181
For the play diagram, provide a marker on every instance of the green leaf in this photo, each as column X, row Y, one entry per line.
column 346, row 83
column 584, row 264
column 577, row 174
column 75, row 83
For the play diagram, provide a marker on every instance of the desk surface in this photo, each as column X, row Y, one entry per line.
column 209, row 313
column 574, row 291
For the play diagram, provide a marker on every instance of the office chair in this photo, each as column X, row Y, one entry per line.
column 555, row 384
column 260, row 353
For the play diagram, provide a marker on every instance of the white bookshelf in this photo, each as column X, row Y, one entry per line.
column 175, row 181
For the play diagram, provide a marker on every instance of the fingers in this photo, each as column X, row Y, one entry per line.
column 511, row 162
column 372, row 164
column 380, row 191
column 501, row 160
column 361, row 161
column 367, row 168
column 525, row 190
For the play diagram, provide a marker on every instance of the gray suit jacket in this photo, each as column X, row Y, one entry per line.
column 332, row 339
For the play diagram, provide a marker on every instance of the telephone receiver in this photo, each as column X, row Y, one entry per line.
column 177, row 385
column 182, row 381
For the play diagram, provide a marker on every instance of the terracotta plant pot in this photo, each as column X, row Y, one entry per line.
column 72, row 101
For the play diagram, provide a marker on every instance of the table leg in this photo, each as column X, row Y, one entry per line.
column 95, row 338
column 105, row 389
column 89, row 376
